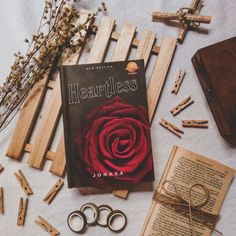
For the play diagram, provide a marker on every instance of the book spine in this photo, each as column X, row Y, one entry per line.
column 211, row 97
column 66, row 125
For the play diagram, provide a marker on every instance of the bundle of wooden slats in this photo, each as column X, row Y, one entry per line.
column 39, row 149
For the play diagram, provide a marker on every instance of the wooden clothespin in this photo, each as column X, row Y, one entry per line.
column 1, row 168
column 187, row 16
column 1, row 201
column 23, row 204
column 23, row 183
column 172, row 128
column 46, row 226
column 178, row 81
column 181, row 106
column 195, row 123
column 53, row 192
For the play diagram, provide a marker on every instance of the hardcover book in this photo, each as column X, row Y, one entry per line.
column 215, row 68
column 106, row 124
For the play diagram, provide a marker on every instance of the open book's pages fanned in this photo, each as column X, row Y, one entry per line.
column 189, row 197
column 106, row 124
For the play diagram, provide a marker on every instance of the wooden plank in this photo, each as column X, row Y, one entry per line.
column 115, row 36
column 29, row 113
column 27, row 119
column 49, row 155
column 51, row 84
column 124, row 42
column 145, row 46
column 52, row 114
column 101, row 40
column 121, row 52
column 58, row 157
column 159, row 74
column 59, row 164
column 97, row 55
column 47, row 128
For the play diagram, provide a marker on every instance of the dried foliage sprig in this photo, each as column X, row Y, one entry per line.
column 59, row 30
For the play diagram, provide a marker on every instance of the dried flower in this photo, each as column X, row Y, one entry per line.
column 58, row 31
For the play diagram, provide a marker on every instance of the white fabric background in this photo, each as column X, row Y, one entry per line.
column 19, row 19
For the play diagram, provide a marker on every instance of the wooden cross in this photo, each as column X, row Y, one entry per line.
column 186, row 16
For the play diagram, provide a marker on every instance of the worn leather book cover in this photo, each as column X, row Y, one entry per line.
column 106, row 124
column 215, row 66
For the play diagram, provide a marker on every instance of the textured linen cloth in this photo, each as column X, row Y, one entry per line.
column 20, row 18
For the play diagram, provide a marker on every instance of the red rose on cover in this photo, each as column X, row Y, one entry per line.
column 115, row 137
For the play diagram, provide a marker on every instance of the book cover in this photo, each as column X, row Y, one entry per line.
column 215, row 68
column 106, row 124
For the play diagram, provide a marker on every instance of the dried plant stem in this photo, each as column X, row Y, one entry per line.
column 58, row 32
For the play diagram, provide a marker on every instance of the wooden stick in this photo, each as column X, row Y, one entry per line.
column 31, row 108
column 156, row 84
column 54, row 191
column 195, row 123
column 183, row 28
column 159, row 74
column 1, row 201
column 58, row 166
column 124, row 42
column 47, row 128
column 181, row 106
column 195, row 4
column 145, row 46
column 172, row 128
column 121, row 52
column 27, row 119
column 101, row 40
column 1, row 168
column 23, row 182
column 23, row 204
column 135, row 43
column 49, row 155
column 176, row 16
column 46, row 226
column 178, row 81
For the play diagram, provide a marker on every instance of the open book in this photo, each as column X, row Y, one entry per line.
column 184, row 170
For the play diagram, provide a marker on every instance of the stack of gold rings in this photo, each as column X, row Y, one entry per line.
column 103, row 215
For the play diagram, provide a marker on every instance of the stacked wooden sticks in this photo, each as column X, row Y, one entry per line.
column 125, row 40
column 186, row 16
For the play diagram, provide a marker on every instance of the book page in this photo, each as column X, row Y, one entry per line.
column 184, row 169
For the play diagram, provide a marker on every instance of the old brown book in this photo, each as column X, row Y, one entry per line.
column 215, row 66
